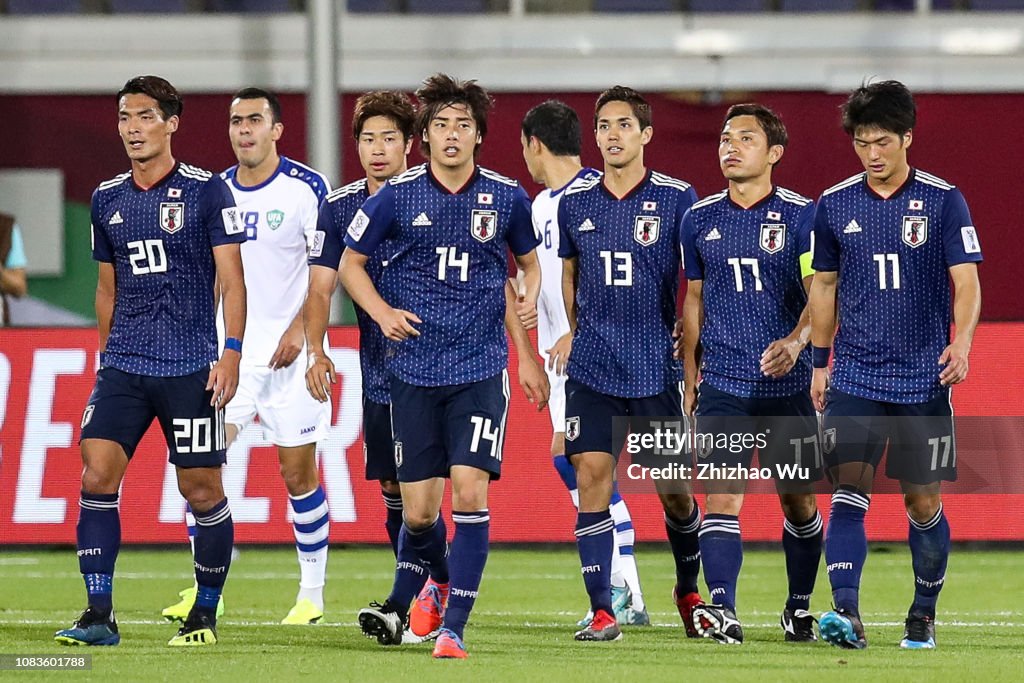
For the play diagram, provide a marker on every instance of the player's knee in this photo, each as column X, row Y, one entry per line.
column 201, row 493
column 798, row 507
column 469, row 500
column 921, row 507
column 299, row 480
column 678, row 506
column 390, row 487
column 723, row 504
column 100, row 480
column 418, row 519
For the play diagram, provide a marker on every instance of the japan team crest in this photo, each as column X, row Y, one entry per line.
column 398, row 454
column 572, row 428
column 829, row 440
column 485, row 224
column 172, row 216
column 646, row 229
column 915, row 230
column 773, row 237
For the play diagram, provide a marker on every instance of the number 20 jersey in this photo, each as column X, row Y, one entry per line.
column 160, row 242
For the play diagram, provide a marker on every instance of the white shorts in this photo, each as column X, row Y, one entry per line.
column 556, row 402
column 288, row 414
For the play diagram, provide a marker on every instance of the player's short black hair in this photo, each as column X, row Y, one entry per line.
column 440, row 91
column 159, row 89
column 388, row 103
column 620, row 93
column 886, row 105
column 556, row 125
column 769, row 121
column 261, row 94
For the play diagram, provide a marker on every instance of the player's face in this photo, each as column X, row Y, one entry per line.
column 142, row 127
column 619, row 136
column 882, row 153
column 253, row 132
column 531, row 155
column 382, row 148
column 452, row 136
column 743, row 151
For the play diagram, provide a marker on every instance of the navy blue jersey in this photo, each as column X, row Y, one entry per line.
column 336, row 213
column 750, row 264
column 448, row 264
column 893, row 257
column 628, row 260
column 160, row 242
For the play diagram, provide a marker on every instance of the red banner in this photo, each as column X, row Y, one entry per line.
column 46, row 376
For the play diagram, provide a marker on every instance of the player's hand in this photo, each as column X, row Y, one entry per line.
column 288, row 348
column 320, row 376
column 954, row 357
column 223, row 380
column 395, row 324
column 689, row 401
column 534, row 382
column 677, row 339
column 780, row 356
column 526, row 311
column 819, row 385
column 558, row 355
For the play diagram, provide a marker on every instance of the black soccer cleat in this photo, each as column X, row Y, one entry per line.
column 200, row 628
column 382, row 622
column 798, row 625
column 918, row 632
column 92, row 628
column 718, row 623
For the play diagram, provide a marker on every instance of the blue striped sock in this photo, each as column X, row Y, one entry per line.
column 929, row 552
column 594, row 539
column 215, row 535
column 682, row 538
column 312, row 525
column 470, row 546
column 393, row 521
column 99, row 540
column 846, row 546
column 802, row 546
column 721, row 549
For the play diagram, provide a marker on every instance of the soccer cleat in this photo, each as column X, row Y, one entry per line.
column 798, row 626
column 179, row 611
column 602, row 628
column 304, row 612
column 718, row 623
column 842, row 628
column 198, row 630
column 449, row 646
column 428, row 610
column 918, row 632
column 632, row 617
column 686, row 605
column 92, row 628
column 587, row 618
column 622, row 598
column 410, row 638
column 382, row 622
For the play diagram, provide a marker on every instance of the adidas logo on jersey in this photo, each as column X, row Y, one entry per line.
column 115, row 219
column 587, row 226
column 421, row 220
column 852, row 226
column 713, row 235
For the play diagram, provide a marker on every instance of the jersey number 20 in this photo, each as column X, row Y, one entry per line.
column 147, row 256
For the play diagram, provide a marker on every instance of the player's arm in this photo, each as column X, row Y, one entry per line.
column 966, row 311
column 13, row 281
column 693, row 321
column 558, row 354
column 106, row 289
column 523, row 241
column 394, row 323
column 531, row 376
column 223, row 379
column 782, row 354
column 316, row 310
column 529, row 290
column 822, row 305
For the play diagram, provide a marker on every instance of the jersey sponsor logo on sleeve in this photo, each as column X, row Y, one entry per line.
column 172, row 216
column 232, row 221
column 358, row 225
column 773, row 237
column 275, row 218
column 852, row 226
column 317, row 248
column 970, row 238
column 915, row 230
column 646, row 229
column 485, row 224
column 484, row 198
column 572, row 428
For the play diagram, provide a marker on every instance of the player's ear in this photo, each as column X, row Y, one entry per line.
column 276, row 131
column 908, row 138
column 646, row 134
column 172, row 124
column 408, row 146
column 775, row 153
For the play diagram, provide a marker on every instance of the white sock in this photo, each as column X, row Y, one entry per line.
column 624, row 561
column 312, row 526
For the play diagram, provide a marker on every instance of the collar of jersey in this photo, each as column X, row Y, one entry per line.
column 633, row 190
column 896, row 193
column 759, row 203
column 252, row 188
column 581, row 174
column 437, row 183
column 139, row 188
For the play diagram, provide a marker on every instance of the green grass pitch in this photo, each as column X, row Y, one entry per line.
column 522, row 627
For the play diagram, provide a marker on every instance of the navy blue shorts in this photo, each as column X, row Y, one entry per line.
column 784, row 431
column 590, row 424
column 122, row 407
column 378, row 446
column 922, row 444
column 436, row 428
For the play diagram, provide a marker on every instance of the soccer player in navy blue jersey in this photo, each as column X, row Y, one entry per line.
column 747, row 252
column 888, row 242
column 161, row 233
column 449, row 225
column 620, row 249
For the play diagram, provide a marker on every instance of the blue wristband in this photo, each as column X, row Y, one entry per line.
column 233, row 343
column 819, row 356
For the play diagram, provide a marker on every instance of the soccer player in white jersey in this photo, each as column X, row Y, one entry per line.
column 550, row 135
column 278, row 200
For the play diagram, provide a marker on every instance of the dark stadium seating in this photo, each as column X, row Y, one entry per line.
column 148, row 6
column 727, row 5
column 44, row 6
column 446, row 6
column 997, row 5
column 635, row 6
column 819, row 5
column 259, row 6
column 372, row 6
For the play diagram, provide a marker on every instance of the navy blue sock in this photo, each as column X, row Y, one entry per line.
column 595, row 535
column 846, row 546
column 802, row 545
column 685, row 544
column 393, row 522
column 99, row 539
column 929, row 552
column 566, row 471
column 215, row 537
column 721, row 548
column 419, row 552
column 470, row 546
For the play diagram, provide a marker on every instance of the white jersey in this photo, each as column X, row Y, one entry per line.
column 280, row 218
column 552, row 323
